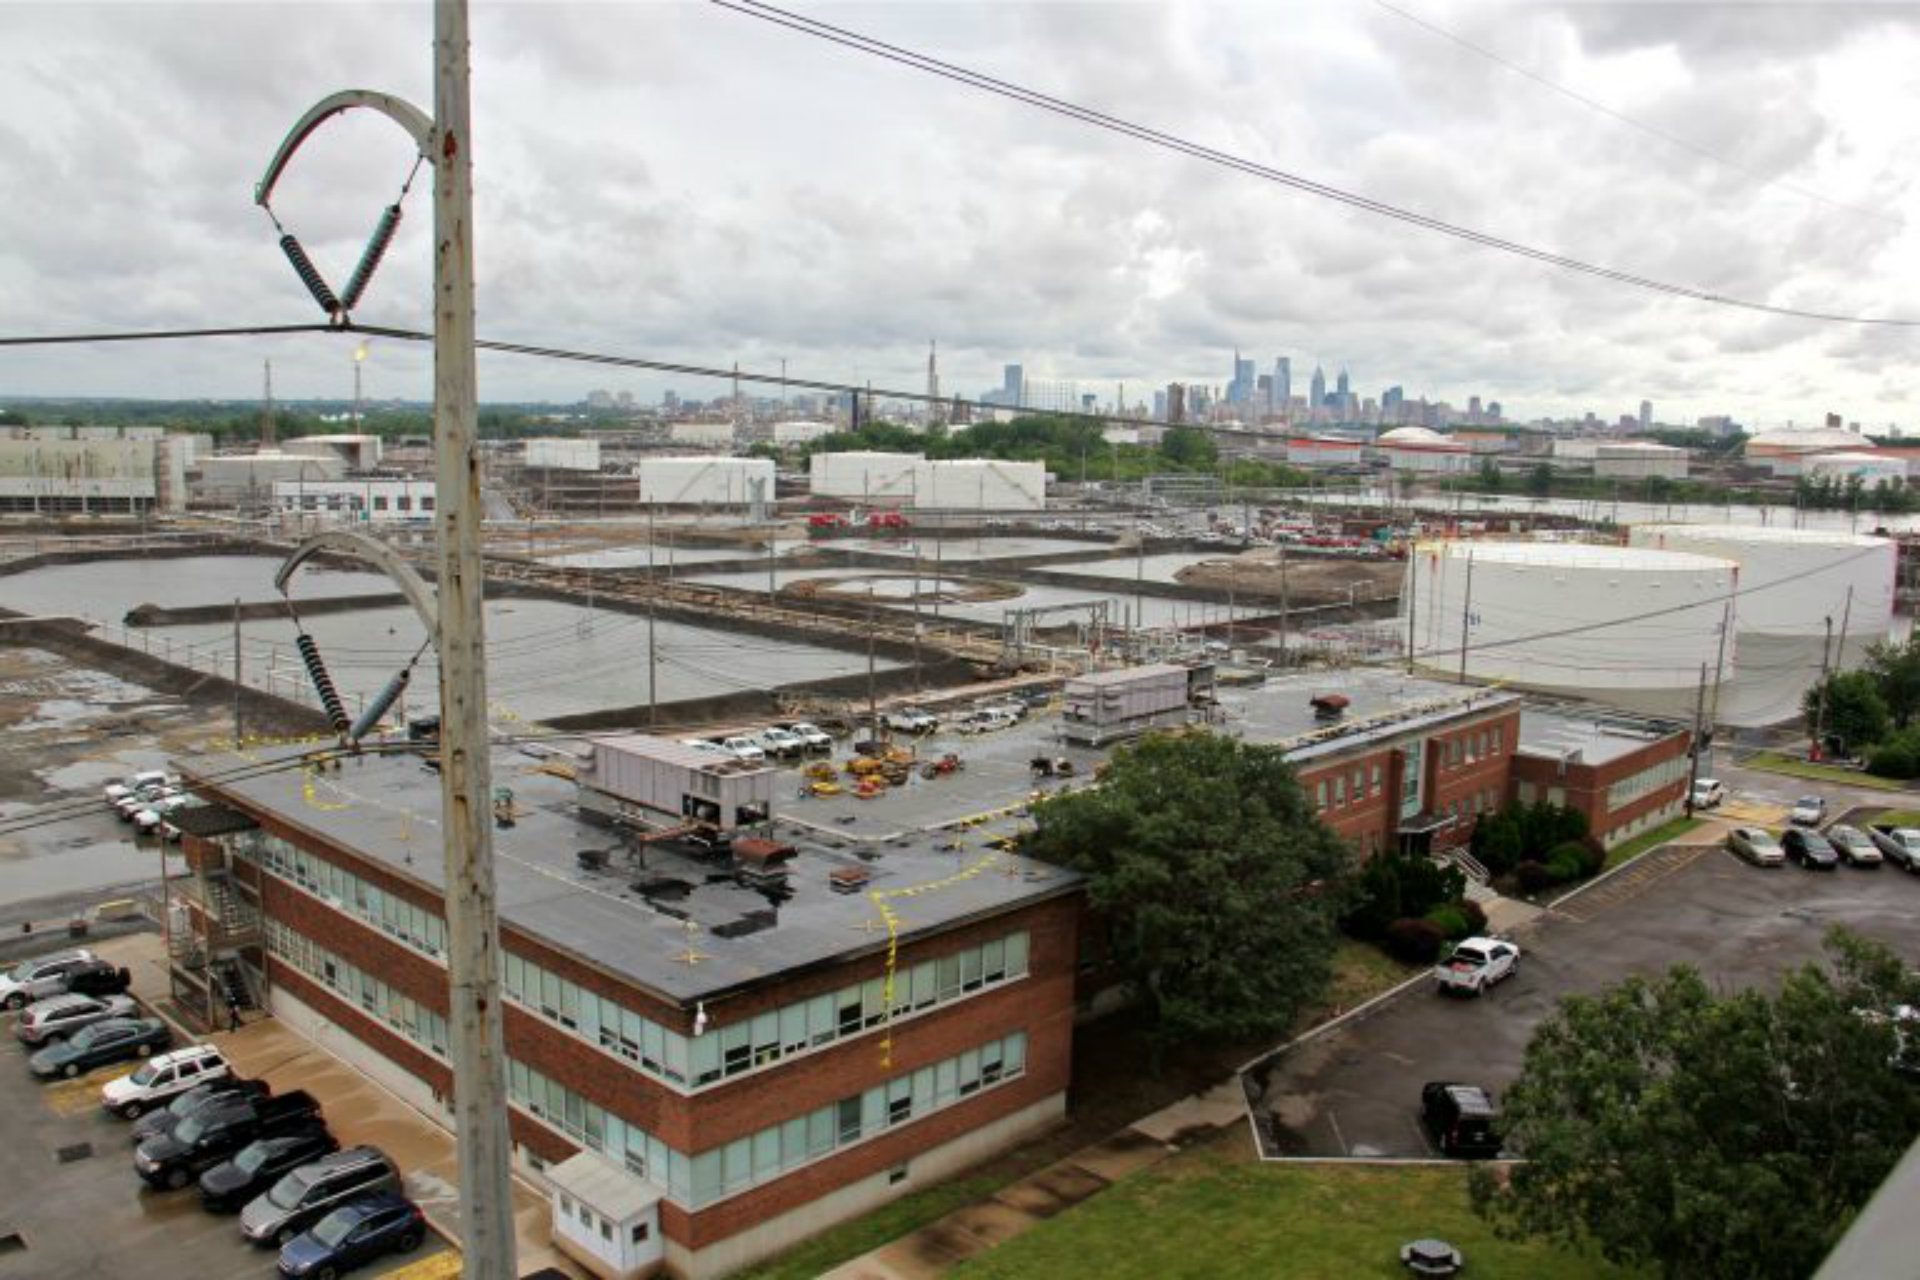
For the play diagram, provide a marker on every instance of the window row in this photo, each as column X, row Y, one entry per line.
column 768, row 1037
column 1485, row 800
column 424, row 1026
column 779, row 1149
column 1368, row 782
column 387, row 912
column 1664, row 774
column 1473, row 747
column 593, row 1126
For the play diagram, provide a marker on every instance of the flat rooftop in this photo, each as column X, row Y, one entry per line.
column 386, row 809
column 1382, row 702
column 1597, row 734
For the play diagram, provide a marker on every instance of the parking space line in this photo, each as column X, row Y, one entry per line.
column 81, row 1094
column 441, row 1266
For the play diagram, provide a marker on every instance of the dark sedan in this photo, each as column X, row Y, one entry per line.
column 1810, row 849
column 114, row 1040
column 228, row 1186
column 355, row 1234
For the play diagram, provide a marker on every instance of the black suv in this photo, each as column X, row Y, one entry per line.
column 98, row 978
column 1461, row 1118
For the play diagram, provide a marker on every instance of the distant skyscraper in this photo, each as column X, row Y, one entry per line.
column 1176, row 403
column 1240, row 390
column 1282, row 384
column 1473, row 410
column 1646, row 415
column 1013, row 385
column 1318, row 389
column 1343, row 388
column 1393, row 403
column 1159, row 406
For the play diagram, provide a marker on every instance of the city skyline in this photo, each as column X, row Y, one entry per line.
column 998, row 230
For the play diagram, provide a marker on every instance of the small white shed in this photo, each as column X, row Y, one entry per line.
column 605, row 1218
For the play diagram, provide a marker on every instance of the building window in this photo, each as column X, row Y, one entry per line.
column 1376, row 780
column 896, row 1175
column 1340, row 790
column 640, row 1233
column 1320, row 794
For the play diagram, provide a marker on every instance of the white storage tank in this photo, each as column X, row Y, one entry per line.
column 785, row 433
column 552, row 453
column 981, row 484
column 865, row 476
column 1626, row 626
column 1792, row 583
column 730, row 482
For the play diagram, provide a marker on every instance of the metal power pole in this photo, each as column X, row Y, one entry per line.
column 236, row 673
column 1466, row 615
column 1699, row 716
column 466, row 783
column 1820, row 704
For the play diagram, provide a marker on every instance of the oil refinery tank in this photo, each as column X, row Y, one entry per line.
column 1626, row 626
column 1793, row 582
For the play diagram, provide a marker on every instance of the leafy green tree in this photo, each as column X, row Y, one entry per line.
column 1498, row 842
column 1855, row 711
column 1394, row 886
column 1896, row 671
column 1713, row 1136
column 1189, row 447
column 1540, row 480
column 1219, row 884
column 1490, row 477
column 12, row 418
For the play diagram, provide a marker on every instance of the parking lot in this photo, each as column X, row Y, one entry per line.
column 72, row 1206
column 1355, row 1091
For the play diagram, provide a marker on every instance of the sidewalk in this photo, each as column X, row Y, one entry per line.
column 357, row 1110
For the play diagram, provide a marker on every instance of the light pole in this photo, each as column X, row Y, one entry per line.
column 473, row 933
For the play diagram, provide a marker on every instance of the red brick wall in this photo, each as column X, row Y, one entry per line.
column 1378, row 815
column 1585, row 785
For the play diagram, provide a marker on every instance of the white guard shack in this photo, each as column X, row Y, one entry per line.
column 605, row 1218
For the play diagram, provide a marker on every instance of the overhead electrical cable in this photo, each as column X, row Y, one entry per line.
column 1172, row 142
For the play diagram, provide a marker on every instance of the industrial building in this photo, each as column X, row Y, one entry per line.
column 1638, row 460
column 365, row 500
column 1869, row 469
column 906, row 479
column 1631, row 627
column 1324, row 451
column 57, row 470
column 227, row 481
column 1807, row 597
column 791, row 433
column 1423, row 450
column 864, row 476
column 360, row 452
column 760, row 1039
column 1785, row 452
column 706, row 481
column 553, row 453
column 1627, row 774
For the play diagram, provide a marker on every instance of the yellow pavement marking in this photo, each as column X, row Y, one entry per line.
column 1749, row 814
column 441, row 1266
column 82, row 1093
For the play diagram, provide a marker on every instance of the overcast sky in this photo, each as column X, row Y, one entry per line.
column 677, row 181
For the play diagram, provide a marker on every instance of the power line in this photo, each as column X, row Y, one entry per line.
column 1171, row 142
column 162, row 335
column 1655, row 131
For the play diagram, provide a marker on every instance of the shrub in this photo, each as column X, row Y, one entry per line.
column 1580, row 854
column 1395, row 887
column 1449, row 919
column 1414, row 941
column 1498, row 843
column 1563, row 867
column 1897, row 757
column 1476, row 916
column 1532, row 876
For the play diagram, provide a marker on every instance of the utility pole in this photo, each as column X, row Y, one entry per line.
column 473, row 929
column 1699, row 715
column 1284, row 643
column 1413, row 594
column 236, row 673
column 873, row 697
column 1820, row 704
column 1466, row 615
column 1720, row 661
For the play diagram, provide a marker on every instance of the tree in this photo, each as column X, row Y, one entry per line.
column 1189, row 447
column 1896, row 671
column 1540, row 480
column 1218, row 883
column 1711, row 1135
column 1855, row 711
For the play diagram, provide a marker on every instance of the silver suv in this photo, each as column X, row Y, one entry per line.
column 42, row 976
column 309, row 1193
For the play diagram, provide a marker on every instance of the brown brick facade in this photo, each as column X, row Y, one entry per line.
column 1582, row 786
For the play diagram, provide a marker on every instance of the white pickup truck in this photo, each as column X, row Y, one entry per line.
column 1477, row 964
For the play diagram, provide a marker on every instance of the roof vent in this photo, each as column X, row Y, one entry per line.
column 848, row 879
column 1329, row 706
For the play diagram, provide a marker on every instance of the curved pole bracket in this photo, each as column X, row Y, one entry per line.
column 403, row 113
column 380, row 556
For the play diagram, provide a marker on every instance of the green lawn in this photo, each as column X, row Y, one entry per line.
column 1774, row 762
column 1899, row 818
column 1649, row 840
column 889, row 1222
column 1203, row 1215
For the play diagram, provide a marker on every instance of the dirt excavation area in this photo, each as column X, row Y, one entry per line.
column 1304, row 581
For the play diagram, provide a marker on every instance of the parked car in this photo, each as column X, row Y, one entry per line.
column 173, row 1083
column 909, row 720
column 98, row 978
column 354, row 1234
column 741, row 747
column 701, row 744
column 811, row 736
column 1807, row 811
column 229, row 1185
column 150, row 820
column 1708, row 793
column 1461, row 1119
column 217, row 1130
column 43, row 976
column 1756, row 845
column 59, row 1016
column 115, row 1040
column 129, row 805
column 312, row 1191
column 1901, row 845
column 1476, row 964
column 1852, row 844
column 1810, row 849
column 164, row 1119
column 776, row 741
column 145, row 780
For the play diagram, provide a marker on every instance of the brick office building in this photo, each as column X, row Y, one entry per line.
column 1627, row 773
column 748, row 1048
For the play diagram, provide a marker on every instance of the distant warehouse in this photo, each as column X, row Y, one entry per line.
column 957, row 484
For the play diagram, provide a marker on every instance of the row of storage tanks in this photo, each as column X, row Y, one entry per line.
column 1634, row 626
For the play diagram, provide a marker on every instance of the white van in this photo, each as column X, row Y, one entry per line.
column 163, row 1077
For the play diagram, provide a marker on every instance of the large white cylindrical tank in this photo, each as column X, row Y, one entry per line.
column 1623, row 625
column 706, row 481
column 1793, row 584
column 554, row 453
column 864, row 476
column 981, row 484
